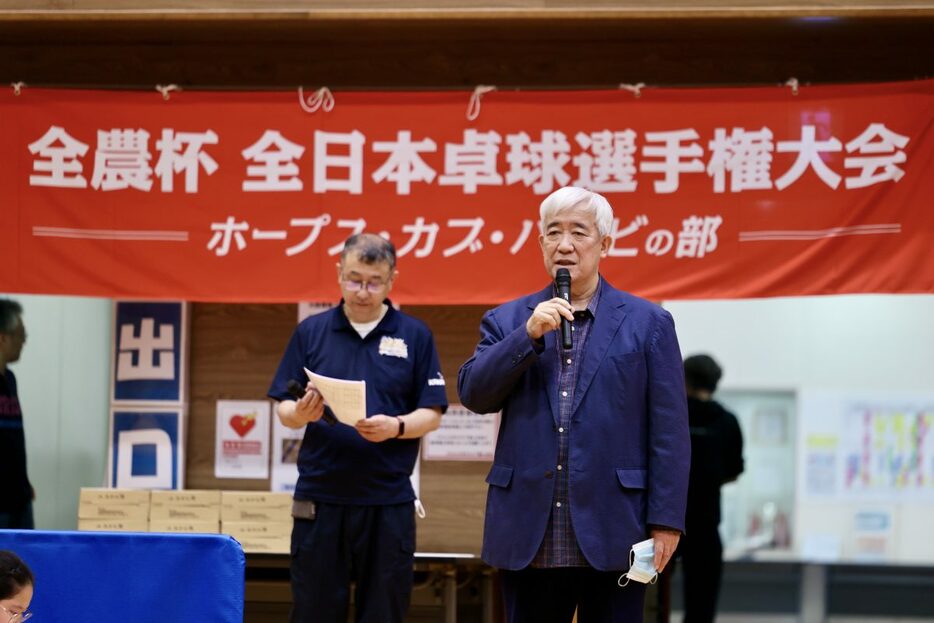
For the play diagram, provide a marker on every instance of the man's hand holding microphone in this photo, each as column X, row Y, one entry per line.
column 308, row 406
column 554, row 313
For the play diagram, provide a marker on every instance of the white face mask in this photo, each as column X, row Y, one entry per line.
column 641, row 564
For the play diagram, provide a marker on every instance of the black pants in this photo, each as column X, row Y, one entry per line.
column 372, row 546
column 551, row 595
column 701, row 555
column 18, row 520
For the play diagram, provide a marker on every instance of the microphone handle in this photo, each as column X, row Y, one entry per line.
column 298, row 392
column 566, row 334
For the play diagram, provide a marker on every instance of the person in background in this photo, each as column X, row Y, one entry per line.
column 16, row 493
column 16, row 587
column 591, row 462
column 716, row 459
column 354, row 517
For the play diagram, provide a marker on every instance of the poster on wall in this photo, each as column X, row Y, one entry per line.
column 873, row 534
column 146, row 449
column 462, row 436
column 286, row 443
column 242, row 439
column 150, row 360
column 866, row 447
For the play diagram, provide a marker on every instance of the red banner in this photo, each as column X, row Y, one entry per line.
column 718, row 193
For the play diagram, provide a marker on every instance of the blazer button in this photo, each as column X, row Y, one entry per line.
column 549, row 474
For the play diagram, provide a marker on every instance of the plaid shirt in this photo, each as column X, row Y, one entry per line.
column 560, row 548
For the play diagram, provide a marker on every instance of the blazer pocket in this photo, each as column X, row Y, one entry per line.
column 499, row 476
column 631, row 478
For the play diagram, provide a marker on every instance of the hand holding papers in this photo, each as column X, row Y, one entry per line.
column 347, row 399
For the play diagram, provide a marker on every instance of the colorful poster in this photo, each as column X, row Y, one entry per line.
column 242, row 439
column 867, row 447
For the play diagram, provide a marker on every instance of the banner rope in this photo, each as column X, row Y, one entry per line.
column 321, row 99
column 473, row 106
column 635, row 89
column 165, row 90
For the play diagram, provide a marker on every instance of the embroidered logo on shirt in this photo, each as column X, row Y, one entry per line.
column 393, row 347
column 437, row 381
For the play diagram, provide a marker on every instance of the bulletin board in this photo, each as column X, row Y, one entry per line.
column 865, row 482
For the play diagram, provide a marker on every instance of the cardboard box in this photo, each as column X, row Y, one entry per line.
column 100, row 495
column 257, row 513
column 186, row 497
column 185, row 513
column 254, row 499
column 247, row 529
column 114, row 525
column 265, row 545
column 252, row 529
column 117, row 512
column 113, row 504
column 186, row 527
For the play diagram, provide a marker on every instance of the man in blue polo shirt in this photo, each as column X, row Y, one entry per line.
column 354, row 518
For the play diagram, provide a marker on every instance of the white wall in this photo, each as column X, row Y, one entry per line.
column 63, row 378
column 858, row 344
column 862, row 342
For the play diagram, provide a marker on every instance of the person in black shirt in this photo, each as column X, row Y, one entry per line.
column 716, row 459
column 16, row 494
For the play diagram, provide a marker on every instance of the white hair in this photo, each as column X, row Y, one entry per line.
column 571, row 197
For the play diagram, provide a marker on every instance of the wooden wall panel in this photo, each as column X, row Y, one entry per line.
column 454, row 493
column 235, row 350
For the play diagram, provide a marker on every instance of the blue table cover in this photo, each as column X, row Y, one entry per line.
column 132, row 577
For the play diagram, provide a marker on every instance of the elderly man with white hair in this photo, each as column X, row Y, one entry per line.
column 588, row 487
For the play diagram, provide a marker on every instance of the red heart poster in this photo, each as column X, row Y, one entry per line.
column 241, row 449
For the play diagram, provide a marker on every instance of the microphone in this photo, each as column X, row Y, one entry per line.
column 298, row 392
column 563, row 282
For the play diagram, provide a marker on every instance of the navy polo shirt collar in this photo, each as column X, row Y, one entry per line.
column 388, row 324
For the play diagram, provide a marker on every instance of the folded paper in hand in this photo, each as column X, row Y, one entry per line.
column 347, row 399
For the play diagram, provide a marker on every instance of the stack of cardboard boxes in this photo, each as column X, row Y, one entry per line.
column 260, row 521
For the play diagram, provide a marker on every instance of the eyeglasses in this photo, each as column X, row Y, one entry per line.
column 355, row 286
column 19, row 617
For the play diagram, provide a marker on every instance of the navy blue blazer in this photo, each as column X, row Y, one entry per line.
column 629, row 451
